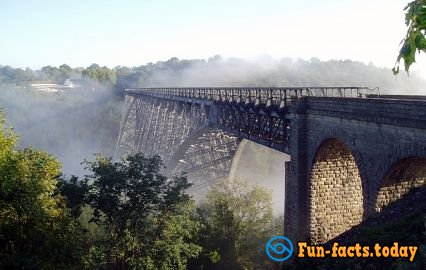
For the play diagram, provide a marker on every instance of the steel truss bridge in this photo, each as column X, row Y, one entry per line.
column 197, row 129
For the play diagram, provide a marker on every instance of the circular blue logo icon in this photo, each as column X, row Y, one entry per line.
column 279, row 248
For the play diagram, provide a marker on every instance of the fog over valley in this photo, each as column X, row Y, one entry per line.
column 83, row 119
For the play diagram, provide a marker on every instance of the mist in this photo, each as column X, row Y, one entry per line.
column 263, row 166
column 266, row 71
column 71, row 126
column 75, row 124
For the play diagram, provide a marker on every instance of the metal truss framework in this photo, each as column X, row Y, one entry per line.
column 197, row 130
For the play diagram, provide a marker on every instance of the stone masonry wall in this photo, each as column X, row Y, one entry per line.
column 377, row 132
column 336, row 192
column 402, row 177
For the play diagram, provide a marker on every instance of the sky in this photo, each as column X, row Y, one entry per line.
column 135, row 32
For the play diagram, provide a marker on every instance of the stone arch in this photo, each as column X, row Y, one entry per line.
column 402, row 176
column 336, row 188
column 350, row 143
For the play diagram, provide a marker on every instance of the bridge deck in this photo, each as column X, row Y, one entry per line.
column 278, row 96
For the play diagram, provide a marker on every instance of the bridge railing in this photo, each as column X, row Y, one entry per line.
column 278, row 96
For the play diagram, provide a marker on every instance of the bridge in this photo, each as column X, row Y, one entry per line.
column 352, row 151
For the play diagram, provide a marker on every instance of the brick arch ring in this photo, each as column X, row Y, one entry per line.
column 402, row 151
column 398, row 153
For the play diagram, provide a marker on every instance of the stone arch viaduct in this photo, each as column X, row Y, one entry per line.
column 352, row 152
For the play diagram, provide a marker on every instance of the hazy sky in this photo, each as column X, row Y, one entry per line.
column 134, row 32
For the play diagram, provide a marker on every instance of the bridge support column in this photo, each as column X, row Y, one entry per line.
column 296, row 211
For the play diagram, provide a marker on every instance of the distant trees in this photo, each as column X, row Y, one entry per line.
column 66, row 72
column 415, row 40
column 18, row 76
column 230, row 72
column 50, row 74
column 102, row 75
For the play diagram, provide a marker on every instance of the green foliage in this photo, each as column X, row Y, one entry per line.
column 103, row 75
column 147, row 217
column 51, row 74
column 18, row 76
column 35, row 229
column 237, row 222
column 415, row 40
column 74, row 193
column 93, row 76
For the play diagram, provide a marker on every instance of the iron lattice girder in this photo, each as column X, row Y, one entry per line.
column 259, row 114
column 165, row 127
column 208, row 157
column 154, row 126
column 266, row 127
column 198, row 129
column 278, row 97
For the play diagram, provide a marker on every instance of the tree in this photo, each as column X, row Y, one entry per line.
column 415, row 40
column 35, row 229
column 103, row 75
column 147, row 217
column 65, row 72
column 52, row 74
column 74, row 193
column 238, row 221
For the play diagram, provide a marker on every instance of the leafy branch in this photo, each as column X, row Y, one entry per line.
column 415, row 19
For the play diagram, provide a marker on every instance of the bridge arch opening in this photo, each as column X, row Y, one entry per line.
column 336, row 191
column 405, row 174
